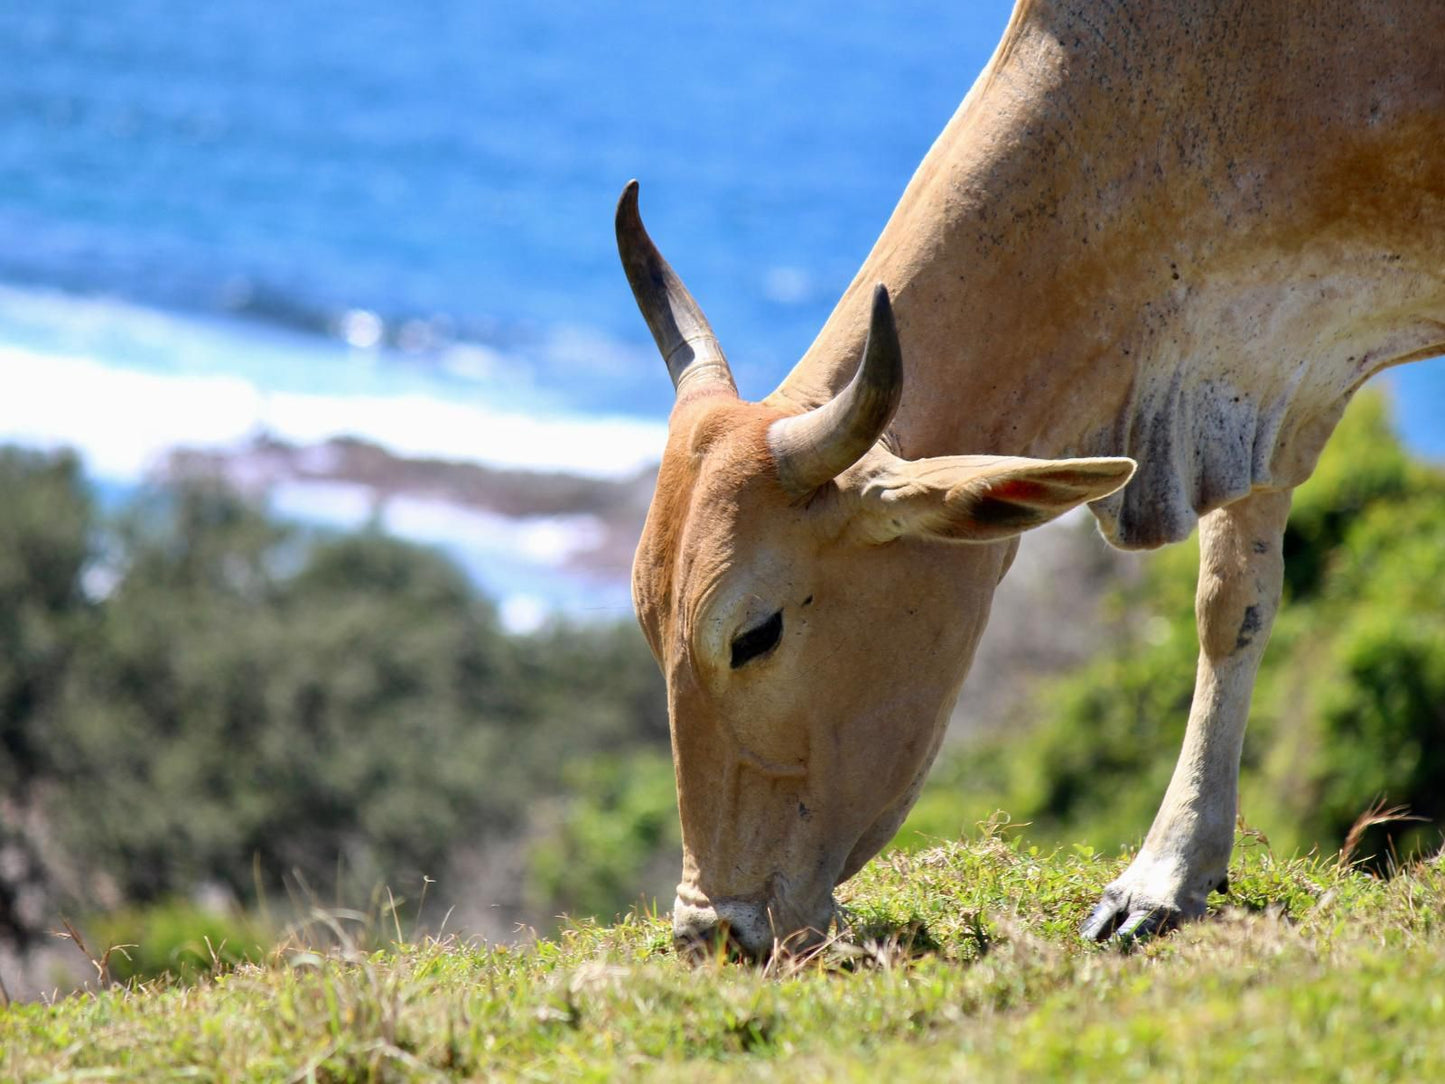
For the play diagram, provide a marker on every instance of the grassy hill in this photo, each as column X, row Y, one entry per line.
column 962, row 964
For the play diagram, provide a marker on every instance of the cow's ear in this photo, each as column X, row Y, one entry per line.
column 974, row 498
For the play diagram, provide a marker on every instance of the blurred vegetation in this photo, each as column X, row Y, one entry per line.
column 196, row 696
column 177, row 938
column 615, row 839
column 1349, row 707
column 197, row 701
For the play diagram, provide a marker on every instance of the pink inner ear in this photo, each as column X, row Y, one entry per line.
column 1018, row 489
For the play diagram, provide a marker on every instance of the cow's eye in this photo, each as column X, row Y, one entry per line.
column 757, row 641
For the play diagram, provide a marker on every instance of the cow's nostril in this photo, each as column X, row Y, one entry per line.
column 735, row 929
column 713, row 943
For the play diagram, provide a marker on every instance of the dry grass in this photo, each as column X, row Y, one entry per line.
column 1378, row 814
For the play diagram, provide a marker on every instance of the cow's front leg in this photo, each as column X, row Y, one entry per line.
column 1186, row 854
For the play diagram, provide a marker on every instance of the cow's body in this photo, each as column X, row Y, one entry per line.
column 1180, row 232
column 1159, row 230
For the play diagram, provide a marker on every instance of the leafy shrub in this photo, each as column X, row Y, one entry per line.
column 616, row 837
column 176, row 938
column 1350, row 703
column 236, row 700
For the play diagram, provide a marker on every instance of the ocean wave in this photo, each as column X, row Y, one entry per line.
column 124, row 384
column 522, row 563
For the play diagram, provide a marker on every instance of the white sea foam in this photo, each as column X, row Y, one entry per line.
column 345, row 506
column 541, row 541
column 123, row 385
column 123, row 420
column 517, row 561
column 523, row 613
column 548, row 541
column 119, row 420
column 420, row 425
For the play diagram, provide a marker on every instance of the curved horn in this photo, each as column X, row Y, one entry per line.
column 816, row 447
column 680, row 329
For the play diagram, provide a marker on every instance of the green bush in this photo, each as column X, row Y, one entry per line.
column 175, row 938
column 193, row 692
column 1350, row 703
column 615, row 838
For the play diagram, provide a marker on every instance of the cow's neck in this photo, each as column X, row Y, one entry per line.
column 1101, row 229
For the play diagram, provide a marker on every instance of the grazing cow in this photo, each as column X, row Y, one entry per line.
column 1180, row 233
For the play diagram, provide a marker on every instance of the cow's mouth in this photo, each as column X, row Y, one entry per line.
column 755, row 930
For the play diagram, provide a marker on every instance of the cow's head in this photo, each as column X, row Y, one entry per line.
column 797, row 584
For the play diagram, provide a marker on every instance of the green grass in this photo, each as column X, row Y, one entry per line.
column 963, row 964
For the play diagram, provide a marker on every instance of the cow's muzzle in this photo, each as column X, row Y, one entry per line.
column 750, row 929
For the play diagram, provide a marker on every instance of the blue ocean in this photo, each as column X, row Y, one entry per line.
column 449, row 168
column 395, row 219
